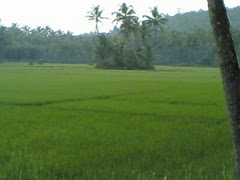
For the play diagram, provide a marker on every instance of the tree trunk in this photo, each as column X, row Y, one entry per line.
column 229, row 70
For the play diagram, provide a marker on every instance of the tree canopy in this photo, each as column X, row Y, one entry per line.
column 96, row 15
column 186, row 39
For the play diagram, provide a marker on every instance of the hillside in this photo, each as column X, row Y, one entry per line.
column 186, row 21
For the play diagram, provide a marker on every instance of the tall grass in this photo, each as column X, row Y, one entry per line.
column 75, row 122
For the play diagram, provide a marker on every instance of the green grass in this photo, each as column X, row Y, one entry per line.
column 76, row 122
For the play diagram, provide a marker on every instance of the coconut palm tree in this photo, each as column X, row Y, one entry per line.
column 146, row 55
column 59, row 33
column 26, row 29
column 129, row 27
column 144, row 31
column 47, row 31
column 156, row 20
column 102, row 50
column 96, row 15
column 124, row 12
column 119, row 52
column 126, row 16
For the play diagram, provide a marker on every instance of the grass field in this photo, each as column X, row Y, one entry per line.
column 76, row 122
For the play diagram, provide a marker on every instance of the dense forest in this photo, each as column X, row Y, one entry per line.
column 184, row 39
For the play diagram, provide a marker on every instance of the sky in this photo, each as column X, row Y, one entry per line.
column 70, row 15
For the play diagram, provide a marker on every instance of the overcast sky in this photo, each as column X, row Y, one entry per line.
column 71, row 14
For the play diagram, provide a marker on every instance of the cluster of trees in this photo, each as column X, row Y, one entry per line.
column 130, row 48
column 140, row 44
column 184, row 39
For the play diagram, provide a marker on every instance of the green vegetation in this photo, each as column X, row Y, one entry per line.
column 184, row 39
column 129, row 49
column 77, row 122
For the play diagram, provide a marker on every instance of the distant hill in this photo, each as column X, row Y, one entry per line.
column 186, row 21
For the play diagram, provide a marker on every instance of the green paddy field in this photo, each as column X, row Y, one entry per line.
column 61, row 121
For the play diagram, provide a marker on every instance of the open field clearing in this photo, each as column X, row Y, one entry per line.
column 76, row 122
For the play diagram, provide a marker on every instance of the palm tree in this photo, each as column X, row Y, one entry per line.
column 96, row 15
column 47, row 31
column 119, row 52
column 26, row 29
column 102, row 50
column 146, row 55
column 39, row 31
column 156, row 20
column 144, row 31
column 59, row 33
column 14, row 26
column 126, row 16
column 129, row 27
column 124, row 12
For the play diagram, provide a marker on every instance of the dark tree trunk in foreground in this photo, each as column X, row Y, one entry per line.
column 229, row 70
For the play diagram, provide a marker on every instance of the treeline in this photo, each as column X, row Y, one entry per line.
column 43, row 44
column 182, row 40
